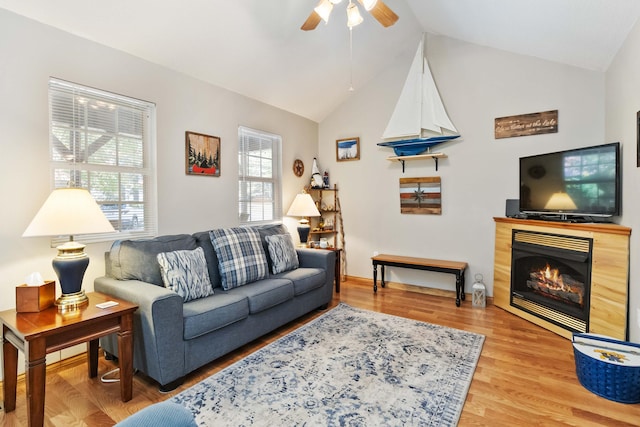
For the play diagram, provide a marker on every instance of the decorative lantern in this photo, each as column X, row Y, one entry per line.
column 479, row 292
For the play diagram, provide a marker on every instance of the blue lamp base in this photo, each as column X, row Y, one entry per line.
column 303, row 232
column 70, row 265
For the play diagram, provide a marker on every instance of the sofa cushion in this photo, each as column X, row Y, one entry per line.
column 304, row 279
column 137, row 259
column 266, row 293
column 282, row 252
column 203, row 239
column 185, row 273
column 205, row 315
column 241, row 258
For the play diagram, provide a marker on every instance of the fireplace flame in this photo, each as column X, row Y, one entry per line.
column 550, row 282
column 552, row 275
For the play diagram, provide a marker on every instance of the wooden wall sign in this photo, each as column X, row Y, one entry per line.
column 420, row 196
column 527, row 124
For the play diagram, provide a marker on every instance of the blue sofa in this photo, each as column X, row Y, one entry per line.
column 173, row 337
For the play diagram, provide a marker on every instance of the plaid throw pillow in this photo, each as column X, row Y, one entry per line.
column 241, row 258
column 185, row 273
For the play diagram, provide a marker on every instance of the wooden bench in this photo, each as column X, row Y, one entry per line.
column 441, row 266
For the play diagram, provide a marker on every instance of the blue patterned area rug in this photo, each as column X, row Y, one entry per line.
column 348, row 367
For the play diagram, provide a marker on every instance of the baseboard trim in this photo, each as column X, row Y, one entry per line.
column 413, row 288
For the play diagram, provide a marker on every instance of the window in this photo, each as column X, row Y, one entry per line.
column 260, row 186
column 590, row 179
column 104, row 142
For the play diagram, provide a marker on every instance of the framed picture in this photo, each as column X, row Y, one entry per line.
column 348, row 149
column 638, row 137
column 202, row 154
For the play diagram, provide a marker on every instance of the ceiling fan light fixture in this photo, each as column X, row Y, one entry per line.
column 335, row 1
column 353, row 16
column 323, row 9
column 369, row 4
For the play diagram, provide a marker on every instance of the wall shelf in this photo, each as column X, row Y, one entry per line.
column 326, row 200
column 434, row 156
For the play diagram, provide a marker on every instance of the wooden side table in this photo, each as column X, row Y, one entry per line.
column 37, row 334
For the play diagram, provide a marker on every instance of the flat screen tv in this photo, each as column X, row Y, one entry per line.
column 582, row 182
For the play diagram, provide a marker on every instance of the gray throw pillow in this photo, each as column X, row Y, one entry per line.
column 185, row 273
column 283, row 253
column 241, row 258
column 137, row 259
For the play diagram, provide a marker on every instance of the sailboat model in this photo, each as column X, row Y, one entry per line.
column 419, row 120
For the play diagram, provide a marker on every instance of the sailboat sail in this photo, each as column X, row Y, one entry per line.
column 419, row 119
column 405, row 120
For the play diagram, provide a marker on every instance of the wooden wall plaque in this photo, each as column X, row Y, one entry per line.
column 420, row 196
column 527, row 124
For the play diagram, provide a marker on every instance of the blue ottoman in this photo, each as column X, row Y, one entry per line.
column 160, row 414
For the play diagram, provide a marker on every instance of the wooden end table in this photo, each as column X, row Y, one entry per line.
column 37, row 334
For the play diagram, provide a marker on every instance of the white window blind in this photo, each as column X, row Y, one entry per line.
column 105, row 143
column 260, row 176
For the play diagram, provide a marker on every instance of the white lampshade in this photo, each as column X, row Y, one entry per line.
column 353, row 15
column 324, row 9
column 369, row 4
column 68, row 211
column 560, row 202
column 302, row 206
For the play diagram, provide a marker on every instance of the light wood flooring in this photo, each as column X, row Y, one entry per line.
column 525, row 375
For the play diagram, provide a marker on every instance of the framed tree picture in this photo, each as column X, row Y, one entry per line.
column 347, row 149
column 202, row 154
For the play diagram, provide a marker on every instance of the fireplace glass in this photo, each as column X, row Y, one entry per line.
column 550, row 277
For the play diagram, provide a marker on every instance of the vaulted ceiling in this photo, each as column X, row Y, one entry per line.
column 256, row 47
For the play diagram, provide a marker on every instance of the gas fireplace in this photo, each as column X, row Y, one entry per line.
column 593, row 255
column 550, row 277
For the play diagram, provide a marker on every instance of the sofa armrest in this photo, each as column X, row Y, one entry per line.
column 158, row 326
column 316, row 258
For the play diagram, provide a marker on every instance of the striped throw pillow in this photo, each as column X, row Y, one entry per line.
column 185, row 272
column 282, row 252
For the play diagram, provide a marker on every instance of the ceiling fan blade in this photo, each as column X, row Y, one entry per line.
column 383, row 14
column 312, row 21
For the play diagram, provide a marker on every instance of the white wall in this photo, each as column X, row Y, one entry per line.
column 477, row 84
column 31, row 52
column 622, row 105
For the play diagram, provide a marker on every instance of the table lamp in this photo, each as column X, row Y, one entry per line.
column 304, row 207
column 69, row 211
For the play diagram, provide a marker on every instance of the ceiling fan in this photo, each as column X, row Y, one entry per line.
column 376, row 8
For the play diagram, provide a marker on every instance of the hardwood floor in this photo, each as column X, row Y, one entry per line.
column 525, row 375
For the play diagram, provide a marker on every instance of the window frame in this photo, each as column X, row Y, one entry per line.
column 80, row 172
column 244, row 177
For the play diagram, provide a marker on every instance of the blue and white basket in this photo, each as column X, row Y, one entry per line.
column 608, row 367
